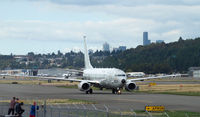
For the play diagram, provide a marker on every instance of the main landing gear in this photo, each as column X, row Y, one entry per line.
column 116, row 91
column 90, row 91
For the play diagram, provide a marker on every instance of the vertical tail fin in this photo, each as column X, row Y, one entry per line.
column 86, row 56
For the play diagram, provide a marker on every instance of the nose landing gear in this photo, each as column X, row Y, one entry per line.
column 116, row 91
column 119, row 92
column 89, row 91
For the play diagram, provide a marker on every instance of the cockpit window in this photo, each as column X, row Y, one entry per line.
column 120, row 75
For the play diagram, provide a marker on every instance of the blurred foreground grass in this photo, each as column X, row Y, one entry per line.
column 53, row 101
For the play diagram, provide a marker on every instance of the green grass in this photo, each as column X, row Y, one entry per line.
column 81, row 101
column 92, row 113
column 182, row 114
column 172, row 93
column 141, row 114
column 183, row 93
column 67, row 86
column 54, row 101
column 170, row 113
column 35, row 82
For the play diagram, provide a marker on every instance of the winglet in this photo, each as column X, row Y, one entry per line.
column 86, row 56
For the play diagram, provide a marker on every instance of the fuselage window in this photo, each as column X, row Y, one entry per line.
column 120, row 75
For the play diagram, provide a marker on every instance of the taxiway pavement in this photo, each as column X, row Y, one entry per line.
column 125, row 101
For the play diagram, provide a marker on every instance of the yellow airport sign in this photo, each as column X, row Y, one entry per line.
column 154, row 108
column 152, row 84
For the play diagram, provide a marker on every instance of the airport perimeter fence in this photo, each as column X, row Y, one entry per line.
column 81, row 110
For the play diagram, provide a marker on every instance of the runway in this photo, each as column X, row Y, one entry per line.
column 125, row 101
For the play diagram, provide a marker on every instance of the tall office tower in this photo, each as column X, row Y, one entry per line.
column 106, row 47
column 145, row 39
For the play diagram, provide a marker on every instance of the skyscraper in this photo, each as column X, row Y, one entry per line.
column 145, row 39
column 106, row 47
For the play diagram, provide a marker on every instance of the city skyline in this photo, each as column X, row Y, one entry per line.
column 45, row 26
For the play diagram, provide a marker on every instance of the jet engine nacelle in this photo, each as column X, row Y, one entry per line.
column 130, row 86
column 84, row 86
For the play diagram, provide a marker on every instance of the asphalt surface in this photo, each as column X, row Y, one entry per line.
column 125, row 101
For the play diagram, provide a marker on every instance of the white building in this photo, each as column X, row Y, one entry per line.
column 196, row 73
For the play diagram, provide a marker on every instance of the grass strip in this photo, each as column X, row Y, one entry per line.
column 172, row 93
column 53, row 101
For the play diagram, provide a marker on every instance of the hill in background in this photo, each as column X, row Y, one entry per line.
column 158, row 58
column 155, row 58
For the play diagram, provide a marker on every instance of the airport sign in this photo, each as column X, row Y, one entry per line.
column 154, row 108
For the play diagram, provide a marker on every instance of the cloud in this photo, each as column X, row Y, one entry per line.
column 122, row 2
column 123, row 31
column 163, row 11
column 119, row 22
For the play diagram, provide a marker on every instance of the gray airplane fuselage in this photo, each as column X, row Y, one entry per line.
column 108, row 77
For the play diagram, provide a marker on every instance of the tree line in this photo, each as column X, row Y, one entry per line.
column 158, row 57
column 154, row 58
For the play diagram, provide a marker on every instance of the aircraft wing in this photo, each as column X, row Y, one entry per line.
column 74, row 70
column 71, row 79
column 153, row 77
column 79, row 80
column 3, row 74
column 44, row 77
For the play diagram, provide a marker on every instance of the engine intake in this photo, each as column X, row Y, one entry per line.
column 123, row 81
column 84, row 86
column 130, row 86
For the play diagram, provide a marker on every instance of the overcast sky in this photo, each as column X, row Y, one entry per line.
column 46, row 26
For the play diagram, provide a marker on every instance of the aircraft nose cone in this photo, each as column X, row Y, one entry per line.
column 123, row 81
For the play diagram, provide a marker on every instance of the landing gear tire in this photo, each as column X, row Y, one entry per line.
column 91, row 91
column 86, row 92
column 113, row 91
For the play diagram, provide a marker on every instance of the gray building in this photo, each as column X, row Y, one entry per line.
column 159, row 41
column 115, row 49
column 194, row 72
column 122, row 48
column 146, row 41
column 106, row 47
